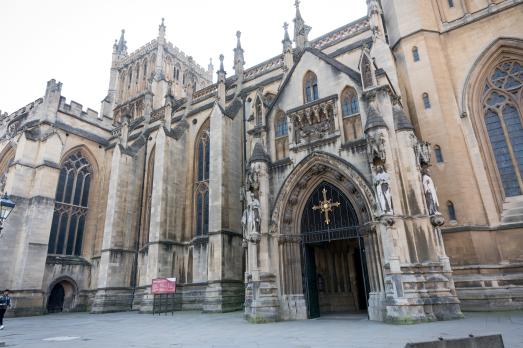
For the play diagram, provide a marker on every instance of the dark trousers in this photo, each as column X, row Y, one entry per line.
column 2, row 312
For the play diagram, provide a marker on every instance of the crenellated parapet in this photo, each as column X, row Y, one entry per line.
column 76, row 109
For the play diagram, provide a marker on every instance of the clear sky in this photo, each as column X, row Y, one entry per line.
column 71, row 40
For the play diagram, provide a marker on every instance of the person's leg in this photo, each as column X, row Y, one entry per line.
column 2, row 312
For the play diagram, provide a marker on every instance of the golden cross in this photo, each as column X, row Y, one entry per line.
column 326, row 206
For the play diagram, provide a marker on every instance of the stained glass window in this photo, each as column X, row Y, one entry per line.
column 201, row 191
column 349, row 102
column 281, row 125
column 71, row 201
column 415, row 54
column 439, row 154
column 503, row 104
column 426, row 101
column 451, row 210
column 311, row 87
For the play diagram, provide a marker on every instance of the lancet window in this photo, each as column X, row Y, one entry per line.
column 201, row 190
column 503, row 105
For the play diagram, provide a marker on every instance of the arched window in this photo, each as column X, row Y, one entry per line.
column 349, row 102
column 415, row 54
column 452, row 211
column 130, row 78
column 502, row 105
column 451, row 3
column 145, row 70
column 258, row 112
column 426, row 101
column 439, row 154
column 201, row 190
column 137, row 79
column 70, row 210
column 281, row 128
column 310, row 87
column 5, row 163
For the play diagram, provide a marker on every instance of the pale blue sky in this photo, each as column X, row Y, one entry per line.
column 71, row 40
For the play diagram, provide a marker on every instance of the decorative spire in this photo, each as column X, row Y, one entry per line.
column 239, row 60
column 161, row 30
column 222, row 69
column 287, row 43
column 374, row 13
column 121, row 47
column 210, row 67
column 301, row 30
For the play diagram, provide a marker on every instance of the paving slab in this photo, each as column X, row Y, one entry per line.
column 194, row 329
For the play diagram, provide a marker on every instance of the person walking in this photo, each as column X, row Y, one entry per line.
column 5, row 302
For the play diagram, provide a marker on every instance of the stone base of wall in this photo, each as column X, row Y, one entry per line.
column 293, row 307
column 112, row 300
column 26, row 303
column 421, row 293
column 224, row 296
column 376, row 307
column 490, row 287
column 261, row 299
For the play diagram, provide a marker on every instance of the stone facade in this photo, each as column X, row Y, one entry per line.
column 351, row 172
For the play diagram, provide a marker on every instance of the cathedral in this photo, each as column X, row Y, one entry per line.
column 377, row 168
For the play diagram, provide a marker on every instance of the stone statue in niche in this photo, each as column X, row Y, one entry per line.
column 253, row 178
column 376, row 147
column 429, row 190
column 383, row 192
column 251, row 218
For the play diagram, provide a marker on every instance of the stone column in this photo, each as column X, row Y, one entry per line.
column 31, row 184
column 114, row 292
column 225, row 289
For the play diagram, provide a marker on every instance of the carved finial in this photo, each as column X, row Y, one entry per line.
column 287, row 43
column 301, row 30
column 239, row 60
column 297, row 4
column 222, row 69
column 161, row 29
column 121, row 46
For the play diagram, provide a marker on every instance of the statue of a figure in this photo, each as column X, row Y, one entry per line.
column 429, row 190
column 382, row 185
column 251, row 217
column 253, row 178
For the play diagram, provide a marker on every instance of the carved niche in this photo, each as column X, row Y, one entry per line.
column 313, row 121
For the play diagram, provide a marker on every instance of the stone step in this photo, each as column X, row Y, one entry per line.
column 514, row 199
column 511, row 219
column 513, row 211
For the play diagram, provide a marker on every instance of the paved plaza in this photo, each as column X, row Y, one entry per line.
column 192, row 329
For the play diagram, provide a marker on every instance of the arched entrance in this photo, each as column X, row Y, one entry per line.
column 334, row 270
column 357, row 239
column 55, row 303
column 61, row 297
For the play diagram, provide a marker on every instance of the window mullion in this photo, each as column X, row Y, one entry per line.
column 508, row 141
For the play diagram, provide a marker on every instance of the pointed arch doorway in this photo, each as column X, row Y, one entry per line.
column 334, row 270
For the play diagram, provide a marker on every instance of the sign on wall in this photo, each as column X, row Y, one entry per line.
column 164, row 286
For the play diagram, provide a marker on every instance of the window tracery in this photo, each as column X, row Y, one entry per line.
column 349, row 102
column 71, row 205
column 201, row 190
column 310, row 87
column 502, row 105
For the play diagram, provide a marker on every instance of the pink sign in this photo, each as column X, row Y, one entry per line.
column 164, row 286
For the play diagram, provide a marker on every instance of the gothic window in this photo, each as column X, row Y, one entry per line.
column 439, row 154
column 130, row 78
column 201, row 192
column 70, row 210
column 137, row 79
column 281, row 125
column 6, row 162
column 415, row 54
column 502, row 104
column 310, row 86
column 452, row 211
column 349, row 102
column 426, row 101
column 258, row 112
column 451, row 3
column 145, row 70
